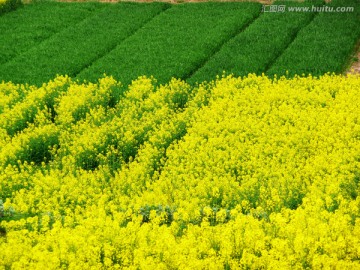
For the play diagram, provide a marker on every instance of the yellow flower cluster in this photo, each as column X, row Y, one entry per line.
column 21, row 104
column 80, row 99
column 239, row 173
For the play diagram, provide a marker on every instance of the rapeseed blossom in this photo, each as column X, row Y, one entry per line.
column 239, row 173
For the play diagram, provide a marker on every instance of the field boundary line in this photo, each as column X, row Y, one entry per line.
column 54, row 34
column 218, row 48
column 352, row 66
column 293, row 38
column 74, row 75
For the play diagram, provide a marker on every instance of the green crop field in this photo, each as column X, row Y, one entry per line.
column 30, row 25
column 257, row 47
column 323, row 45
column 194, row 42
column 175, row 43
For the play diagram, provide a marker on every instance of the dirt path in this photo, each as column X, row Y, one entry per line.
column 355, row 67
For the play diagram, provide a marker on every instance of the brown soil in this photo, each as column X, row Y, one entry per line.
column 355, row 67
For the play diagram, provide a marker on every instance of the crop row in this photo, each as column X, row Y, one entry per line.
column 31, row 24
column 174, row 43
column 76, row 47
column 254, row 50
column 324, row 45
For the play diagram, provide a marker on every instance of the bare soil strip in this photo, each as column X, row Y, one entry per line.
column 355, row 67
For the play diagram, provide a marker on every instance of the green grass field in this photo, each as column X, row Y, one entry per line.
column 194, row 42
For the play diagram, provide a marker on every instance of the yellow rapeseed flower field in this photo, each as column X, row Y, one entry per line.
column 238, row 173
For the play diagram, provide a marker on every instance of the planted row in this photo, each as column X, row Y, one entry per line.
column 254, row 49
column 16, row 116
column 76, row 47
column 128, row 126
column 175, row 43
column 326, row 44
column 32, row 24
